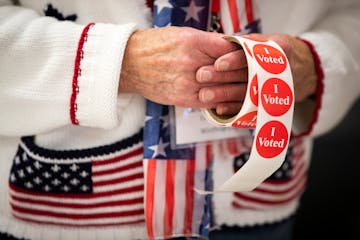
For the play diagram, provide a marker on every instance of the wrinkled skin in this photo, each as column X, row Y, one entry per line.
column 191, row 68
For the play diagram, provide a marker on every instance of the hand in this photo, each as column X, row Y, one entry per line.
column 161, row 64
column 228, row 93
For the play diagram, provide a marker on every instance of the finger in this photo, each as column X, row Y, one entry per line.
column 214, row 45
column 208, row 74
column 223, row 93
column 231, row 61
column 230, row 108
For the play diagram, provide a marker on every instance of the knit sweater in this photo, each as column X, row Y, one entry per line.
column 61, row 113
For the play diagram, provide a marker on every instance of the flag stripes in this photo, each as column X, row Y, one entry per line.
column 275, row 192
column 91, row 190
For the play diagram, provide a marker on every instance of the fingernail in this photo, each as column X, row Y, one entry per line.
column 207, row 95
column 222, row 66
column 205, row 75
column 222, row 110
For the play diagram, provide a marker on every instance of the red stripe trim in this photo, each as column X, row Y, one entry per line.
column 150, row 4
column 82, row 225
column 233, row 10
column 77, row 216
column 292, row 185
column 149, row 199
column 80, row 196
column 119, row 180
column 215, row 8
column 248, row 49
column 274, row 201
column 133, row 153
column 77, row 73
column 319, row 88
column 299, row 169
column 118, row 169
column 79, row 205
column 249, row 11
column 238, row 205
column 169, row 197
column 189, row 195
column 232, row 147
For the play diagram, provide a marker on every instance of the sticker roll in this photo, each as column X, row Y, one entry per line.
column 268, row 107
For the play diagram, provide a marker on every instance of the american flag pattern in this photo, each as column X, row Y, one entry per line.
column 91, row 187
column 172, row 207
column 282, row 187
column 239, row 16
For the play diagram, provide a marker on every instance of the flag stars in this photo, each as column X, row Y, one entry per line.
column 159, row 149
column 24, row 157
column 148, row 118
column 55, row 168
column 165, row 121
column 56, row 182
column 84, row 188
column 21, row 173
column 47, row 188
column 278, row 174
column 47, row 174
column 239, row 163
column 84, row 174
column 29, row 170
column 51, row 177
column 65, row 175
column 74, row 181
column 66, row 188
column 37, row 180
column 285, row 166
column 37, row 165
column 163, row 4
column 192, row 11
column 17, row 160
column 12, row 177
column 74, row 167
column 29, row 185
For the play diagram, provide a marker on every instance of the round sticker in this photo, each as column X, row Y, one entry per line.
column 270, row 58
column 246, row 121
column 276, row 96
column 254, row 90
column 254, row 39
column 271, row 139
column 248, row 49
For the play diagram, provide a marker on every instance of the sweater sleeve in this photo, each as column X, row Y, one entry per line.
column 57, row 73
column 335, row 39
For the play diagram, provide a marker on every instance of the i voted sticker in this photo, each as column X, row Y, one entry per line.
column 270, row 58
column 272, row 139
column 268, row 107
column 276, row 96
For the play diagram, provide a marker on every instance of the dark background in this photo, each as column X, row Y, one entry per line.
column 330, row 206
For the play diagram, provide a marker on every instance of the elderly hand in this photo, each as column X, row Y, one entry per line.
column 229, row 73
column 161, row 64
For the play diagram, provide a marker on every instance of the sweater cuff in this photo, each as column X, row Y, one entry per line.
column 340, row 86
column 97, row 67
column 313, row 103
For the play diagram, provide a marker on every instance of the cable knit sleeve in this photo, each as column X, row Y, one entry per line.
column 335, row 40
column 57, row 73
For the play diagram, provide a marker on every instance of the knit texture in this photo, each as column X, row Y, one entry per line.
column 37, row 71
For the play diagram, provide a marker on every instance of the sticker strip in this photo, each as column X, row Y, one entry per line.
column 268, row 107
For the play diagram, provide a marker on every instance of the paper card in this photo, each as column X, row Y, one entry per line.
column 192, row 127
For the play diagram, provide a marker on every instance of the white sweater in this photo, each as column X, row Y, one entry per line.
column 37, row 56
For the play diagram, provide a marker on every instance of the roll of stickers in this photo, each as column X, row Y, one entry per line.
column 268, row 107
